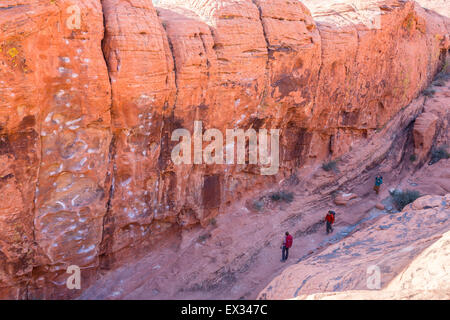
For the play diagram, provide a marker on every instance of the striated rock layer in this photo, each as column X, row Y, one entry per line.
column 90, row 95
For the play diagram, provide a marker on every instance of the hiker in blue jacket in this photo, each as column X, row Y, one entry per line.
column 378, row 183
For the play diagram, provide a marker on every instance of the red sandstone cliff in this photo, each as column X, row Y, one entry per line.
column 86, row 112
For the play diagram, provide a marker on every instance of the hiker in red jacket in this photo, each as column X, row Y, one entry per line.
column 329, row 219
column 287, row 243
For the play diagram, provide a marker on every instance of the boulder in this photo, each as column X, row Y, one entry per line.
column 343, row 198
column 380, row 206
column 423, row 133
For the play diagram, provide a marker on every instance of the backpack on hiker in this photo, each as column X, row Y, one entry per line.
column 330, row 216
column 289, row 241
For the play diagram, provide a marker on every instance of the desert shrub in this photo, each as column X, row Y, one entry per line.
column 330, row 165
column 403, row 198
column 412, row 158
column 439, row 154
column 258, row 205
column 282, row 196
column 213, row 222
column 204, row 237
column 428, row 92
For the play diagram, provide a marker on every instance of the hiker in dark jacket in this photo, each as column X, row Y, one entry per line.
column 286, row 244
column 378, row 183
column 329, row 219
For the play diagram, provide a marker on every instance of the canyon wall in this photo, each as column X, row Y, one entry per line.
column 91, row 93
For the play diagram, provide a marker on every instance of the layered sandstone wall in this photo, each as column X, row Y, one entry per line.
column 327, row 80
column 87, row 111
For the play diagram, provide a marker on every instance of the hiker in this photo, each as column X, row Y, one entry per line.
column 378, row 183
column 329, row 219
column 287, row 243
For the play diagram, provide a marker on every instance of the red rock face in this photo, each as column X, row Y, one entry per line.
column 143, row 89
column 88, row 104
column 55, row 137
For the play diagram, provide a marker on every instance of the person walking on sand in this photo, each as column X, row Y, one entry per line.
column 329, row 219
column 286, row 244
column 378, row 183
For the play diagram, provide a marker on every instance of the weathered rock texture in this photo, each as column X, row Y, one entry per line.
column 425, row 278
column 143, row 89
column 214, row 262
column 86, row 113
column 342, row 198
column 395, row 244
column 424, row 130
column 55, row 137
column 250, row 64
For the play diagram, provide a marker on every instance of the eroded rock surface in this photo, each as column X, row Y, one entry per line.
column 424, row 130
column 425, row 278
column 389, row 245
column 55, row 133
